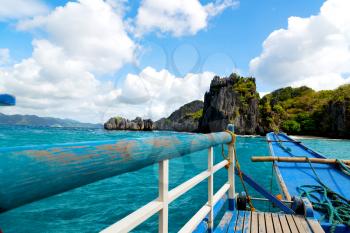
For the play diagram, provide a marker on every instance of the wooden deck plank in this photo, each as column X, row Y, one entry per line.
column 224, row 222
column 269, row 223
column 284, row 223
column 232, row 225
column 301, row 223
column 240, row 222
column 262, row 227
column 254, row 224
column 266, row 222
column 293, row 228
column 247, row 219
column 276, row 223
column 315, row 226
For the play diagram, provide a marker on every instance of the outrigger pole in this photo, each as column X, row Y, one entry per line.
column 297, row 160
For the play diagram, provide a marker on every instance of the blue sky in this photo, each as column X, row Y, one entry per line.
column 90, row 59
column 237, row 34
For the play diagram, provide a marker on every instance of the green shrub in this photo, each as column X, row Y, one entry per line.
column 291, row 126
column 195, row 115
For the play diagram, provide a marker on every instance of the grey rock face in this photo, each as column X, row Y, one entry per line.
column 231, row 100
column 338, row 122
column 185, row 119
column 110, row 124
column 147, row 125
column 119, row 123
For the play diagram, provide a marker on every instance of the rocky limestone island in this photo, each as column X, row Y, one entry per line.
column 234, row 100
column 231, row 100
column 120, row 123
column 185, row 119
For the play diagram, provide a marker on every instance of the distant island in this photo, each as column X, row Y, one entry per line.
column 32, row 120
column 234, row 99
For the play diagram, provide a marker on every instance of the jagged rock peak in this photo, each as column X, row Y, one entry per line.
column 231, row 100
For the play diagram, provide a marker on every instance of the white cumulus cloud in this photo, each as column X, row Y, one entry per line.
column 161, row 92
column 313, row 51
column 20, row 9
column 89, row 31
column 51, row 84
column 82, row 41
column 78, row 44
column 178, row 17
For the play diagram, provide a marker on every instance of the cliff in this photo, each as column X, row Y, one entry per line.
column 231, row 100
column 185, row 119
column 338, row 113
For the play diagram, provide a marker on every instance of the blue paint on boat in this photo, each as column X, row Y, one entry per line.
column 266, row 193
column 231, row 204
column 294, row 175
column 7, row 100
column 203, row 226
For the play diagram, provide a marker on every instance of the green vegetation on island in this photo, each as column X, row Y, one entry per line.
column 304, row 111
column 195, row 115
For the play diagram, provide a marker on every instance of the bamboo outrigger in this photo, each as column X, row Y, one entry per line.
column 298, row 159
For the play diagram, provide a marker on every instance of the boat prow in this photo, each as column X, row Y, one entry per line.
column 302, row 178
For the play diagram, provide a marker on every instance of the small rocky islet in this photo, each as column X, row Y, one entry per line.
column 120, row 123
column 234, row 100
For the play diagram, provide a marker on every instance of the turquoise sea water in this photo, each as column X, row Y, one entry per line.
column 96, row 206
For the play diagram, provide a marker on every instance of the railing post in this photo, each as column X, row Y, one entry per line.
column 163, row 195
column 231, row 170
column 210, row 189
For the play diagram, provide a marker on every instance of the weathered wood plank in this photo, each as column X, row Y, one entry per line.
column 254, row 223
column 240, row 222
column 301, row 224
column 315, row 226
column 284, row 223
column 293, row 228
column 232, row 225
column 224, row 222
column 269, row 223
column 262, row 227
column 247, row 219
column 265, row 222
column 276, row 223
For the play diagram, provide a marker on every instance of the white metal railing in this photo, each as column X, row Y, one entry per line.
column 161, row 204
